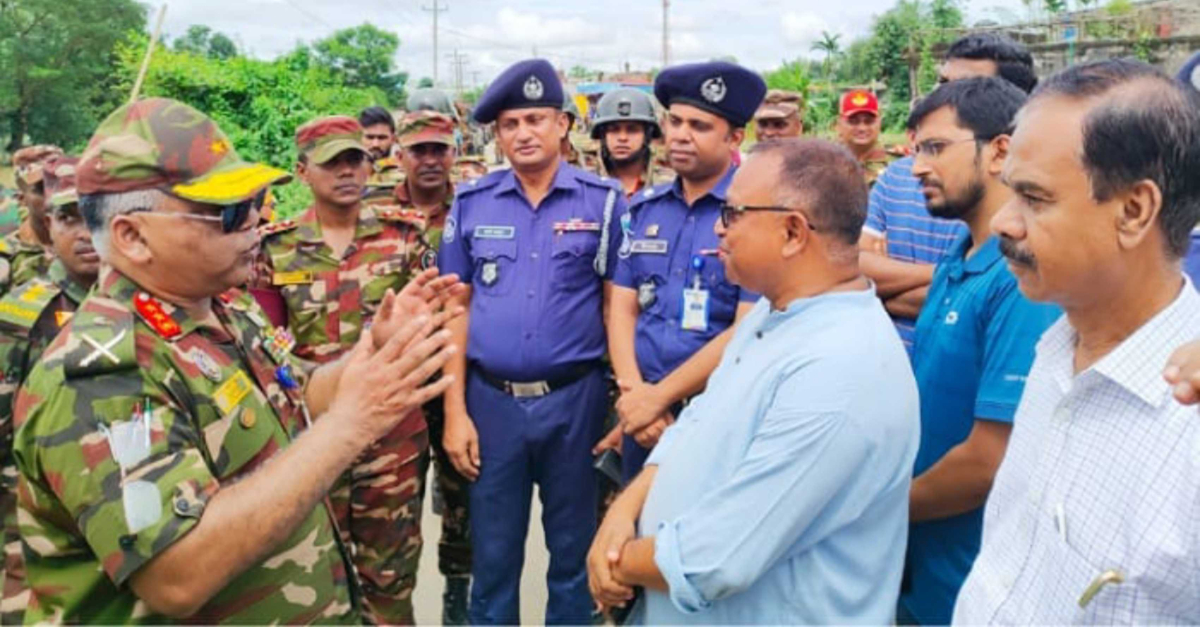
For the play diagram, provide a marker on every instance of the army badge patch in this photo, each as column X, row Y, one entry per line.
column 428, row 259
column 205, row 364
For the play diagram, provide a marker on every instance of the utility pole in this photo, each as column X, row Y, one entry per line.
column 458, row 60
column 666, row 34
column 474, row 79
column 435, row 10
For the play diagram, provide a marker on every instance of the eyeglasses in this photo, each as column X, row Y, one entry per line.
column 232, row 217
column 932, row 148
column 730, row 213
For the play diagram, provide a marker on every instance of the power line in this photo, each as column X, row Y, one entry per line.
column 435, row 10
column 458, row 60
column 310, row 14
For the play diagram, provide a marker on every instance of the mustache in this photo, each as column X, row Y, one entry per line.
column 1015, row 254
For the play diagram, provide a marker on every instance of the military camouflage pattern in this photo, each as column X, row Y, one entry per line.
column 449, row 488
column 324, row 138
column 120, row 450
column 468, row 168
column 157, row 143
column 386, row 174
column 330, row 303
column 23, row 256
column 422, row 127
column 874, row 163
column 30, row 318
column 28, row 162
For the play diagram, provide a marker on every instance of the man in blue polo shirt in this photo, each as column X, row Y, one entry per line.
column 901, row 242
column 974, row 341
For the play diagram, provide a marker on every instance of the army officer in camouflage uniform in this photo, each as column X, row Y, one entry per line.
column 168, row 469
column 31, row 316
column 24, row 250
column 331, row 267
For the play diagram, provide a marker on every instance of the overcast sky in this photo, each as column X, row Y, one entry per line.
column 602, row 35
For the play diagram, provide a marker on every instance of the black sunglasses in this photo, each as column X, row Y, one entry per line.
column 232, row 217
column 729, row 213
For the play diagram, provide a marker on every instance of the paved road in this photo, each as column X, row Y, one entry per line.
column 533, row 579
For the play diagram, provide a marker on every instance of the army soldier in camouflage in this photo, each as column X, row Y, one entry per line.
column 625, row 126
column 25, row 249
column 858, row 127
column 168, row 469
column 31, row 316
column 426, row 140
column 780, row 116
column 466, row 167
column 379, row 136
column 331, row 267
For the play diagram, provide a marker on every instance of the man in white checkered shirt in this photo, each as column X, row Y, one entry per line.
column 1094, row 516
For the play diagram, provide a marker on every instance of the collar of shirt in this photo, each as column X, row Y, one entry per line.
column 776, row 317
column 564, row 179
column 959, row 264
column 718, row 191
column 309, row 226
column 122, row 289
column 404, row 197
column 58, row 275
column 1136, row 364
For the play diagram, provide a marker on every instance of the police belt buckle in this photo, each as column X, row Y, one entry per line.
column 531, row 389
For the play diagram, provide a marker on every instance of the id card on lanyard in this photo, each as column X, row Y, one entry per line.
column 695, row 302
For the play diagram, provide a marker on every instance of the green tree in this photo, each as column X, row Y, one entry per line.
column 829, row 44
column 259, row 104
column 202, row 40
column 59, row 67
column 365, row 56
column 425, row 82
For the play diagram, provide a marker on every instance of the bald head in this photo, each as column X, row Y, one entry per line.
column 825, row 179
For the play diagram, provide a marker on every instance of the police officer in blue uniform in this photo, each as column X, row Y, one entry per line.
column 539, row 244
column 672, row 307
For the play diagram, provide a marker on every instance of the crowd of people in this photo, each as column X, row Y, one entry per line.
column 810, row 382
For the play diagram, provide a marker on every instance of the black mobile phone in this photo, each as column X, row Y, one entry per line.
column 608, row 464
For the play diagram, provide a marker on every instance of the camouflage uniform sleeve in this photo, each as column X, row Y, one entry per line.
column 115, row 454
column 14, row 358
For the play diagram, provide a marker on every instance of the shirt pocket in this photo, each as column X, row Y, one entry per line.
column 393, row 272
column 308, row 304
column 572, row 258
column 1079, row 577
column 652, row 269
column 495, row 262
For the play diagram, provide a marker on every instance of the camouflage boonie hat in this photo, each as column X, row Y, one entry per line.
column 325, row 138
column 29, row 162
column 425, row 127
column 780, row 104
column 60, row 181
column 159, row 143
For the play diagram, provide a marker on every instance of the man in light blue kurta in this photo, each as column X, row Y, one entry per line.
column 781, row 495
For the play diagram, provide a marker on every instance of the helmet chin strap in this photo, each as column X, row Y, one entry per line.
column 643, row 154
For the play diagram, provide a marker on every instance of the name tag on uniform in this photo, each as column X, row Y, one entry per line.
column 298, row 277
column 232, row 392
column 649, row 246
column 576, row 225
column 695, row 310
column 495, row 232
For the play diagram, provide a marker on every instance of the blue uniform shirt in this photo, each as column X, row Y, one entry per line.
column 974, row 345
column 664, row 239
column 536, row 300
column 781, row 496
column 896, row 211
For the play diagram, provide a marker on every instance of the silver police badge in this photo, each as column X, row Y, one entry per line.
column 489, row 274
column 533, row 88
column 647, row 294
column 713, row 89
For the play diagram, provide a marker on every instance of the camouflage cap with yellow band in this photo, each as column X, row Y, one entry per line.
column 29, row 162
column 60, row 173
column 159, row 143
column 325, row 138
column 425, row 127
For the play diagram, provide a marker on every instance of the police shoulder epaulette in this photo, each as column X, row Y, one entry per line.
column 23, row 306
column 649, row 193
column 592, row 178
column 392, row 213
column 489, row 180
column 276, row 227
column 101, row 339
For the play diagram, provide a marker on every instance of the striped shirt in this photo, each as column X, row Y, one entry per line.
column 896, row 211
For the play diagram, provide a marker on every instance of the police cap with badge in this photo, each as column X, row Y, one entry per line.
column 718, row 87
column 524, row 85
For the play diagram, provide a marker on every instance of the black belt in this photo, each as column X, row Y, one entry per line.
column 535, row 389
